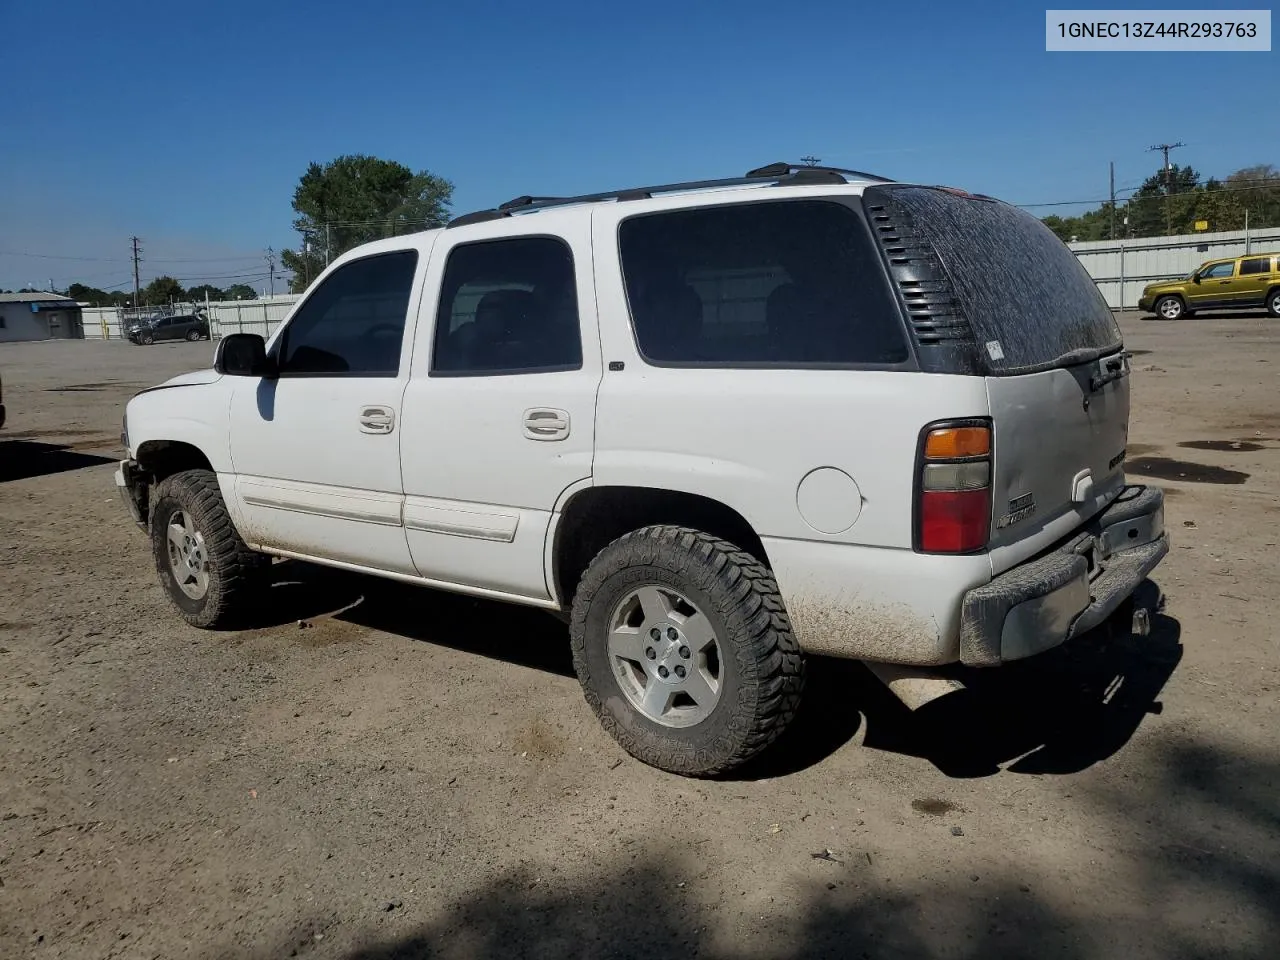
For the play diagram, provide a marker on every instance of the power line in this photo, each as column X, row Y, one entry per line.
column 56, row 256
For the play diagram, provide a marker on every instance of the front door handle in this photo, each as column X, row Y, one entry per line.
column 546, row 423
column 377, row 419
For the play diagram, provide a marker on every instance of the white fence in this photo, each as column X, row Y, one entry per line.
column 225, row 316
column 1121, row 268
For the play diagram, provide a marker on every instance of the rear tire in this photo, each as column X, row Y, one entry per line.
column 1170, row 308
column 204, row 565
column 1273, row 303
column 684, row 650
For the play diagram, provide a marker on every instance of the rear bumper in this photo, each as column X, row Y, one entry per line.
column 1045, row 602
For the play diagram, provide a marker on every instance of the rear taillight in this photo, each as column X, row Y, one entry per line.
column 953, row 488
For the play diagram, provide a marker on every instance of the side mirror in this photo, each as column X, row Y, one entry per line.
column 1195, row 278
column 243, row 355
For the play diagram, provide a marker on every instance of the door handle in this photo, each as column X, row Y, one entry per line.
column 377, row 419
column 546, row 423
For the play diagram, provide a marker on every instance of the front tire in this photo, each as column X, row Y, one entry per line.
column 146, row 339
column 204, row 566
column 1273, row 303
column 1170, row 308
column 684, row 650
column 193, row 335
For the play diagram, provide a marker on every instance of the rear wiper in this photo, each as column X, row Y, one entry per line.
column 1078, row 355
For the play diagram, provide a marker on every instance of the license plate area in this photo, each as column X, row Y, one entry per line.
column 1090, row 548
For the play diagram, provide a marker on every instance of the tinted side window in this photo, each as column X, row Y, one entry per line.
column 789, row 283
column 353, row 324
column 1219, row 271
column 508, row 306
column 1256, row 265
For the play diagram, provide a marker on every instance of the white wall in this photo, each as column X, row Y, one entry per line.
column 1121, row 268
column 21, row 324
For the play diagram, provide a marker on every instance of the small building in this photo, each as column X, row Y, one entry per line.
column 39, row 316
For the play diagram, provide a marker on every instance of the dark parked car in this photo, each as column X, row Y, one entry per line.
column 185, row 327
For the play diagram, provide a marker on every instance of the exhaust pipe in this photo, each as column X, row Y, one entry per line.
column 914, row 686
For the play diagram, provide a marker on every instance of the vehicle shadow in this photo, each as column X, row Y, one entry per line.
column 25, row 459
column 524, row 636
column 1058, row 713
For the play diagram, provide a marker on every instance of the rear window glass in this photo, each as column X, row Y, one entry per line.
column 792, row 283
column 1029, row 301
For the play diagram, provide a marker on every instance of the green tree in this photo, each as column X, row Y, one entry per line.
column 1257, row 189
column 161, row 291
column 198, row 294
column 355, row 199
column 1152, row 213
column 240, row 291
column 87, row 294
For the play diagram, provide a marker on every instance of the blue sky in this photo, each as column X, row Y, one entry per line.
column 189, row 125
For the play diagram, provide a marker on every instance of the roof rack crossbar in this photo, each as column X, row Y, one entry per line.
column 780, row 173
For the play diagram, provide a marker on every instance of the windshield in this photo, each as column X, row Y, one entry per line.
column 1030, row 303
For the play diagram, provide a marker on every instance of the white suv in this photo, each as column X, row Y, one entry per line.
column 718, row 426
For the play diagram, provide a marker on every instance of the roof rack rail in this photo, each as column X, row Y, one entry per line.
column 782, row 169
column 782, row 174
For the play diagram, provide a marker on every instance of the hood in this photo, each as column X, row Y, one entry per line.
column 193, row 379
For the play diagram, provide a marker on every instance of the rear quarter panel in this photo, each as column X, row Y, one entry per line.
column 749, row 438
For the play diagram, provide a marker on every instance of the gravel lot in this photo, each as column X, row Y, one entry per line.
column 417, row 775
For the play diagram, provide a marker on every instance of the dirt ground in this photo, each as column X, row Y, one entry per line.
column 417, row 775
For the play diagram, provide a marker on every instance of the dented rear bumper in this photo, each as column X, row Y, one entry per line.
column 1044, row 602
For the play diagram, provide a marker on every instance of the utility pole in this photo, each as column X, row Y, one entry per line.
column 1112, row 165
column 1168, row 179
column 137, row 295
column 326, row 243
column 271, row 269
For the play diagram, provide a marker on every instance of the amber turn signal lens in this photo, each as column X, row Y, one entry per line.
column 950, row 443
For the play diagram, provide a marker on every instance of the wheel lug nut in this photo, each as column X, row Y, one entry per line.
column 684, row 653
column 671, row 633
column 680, row 670
column 655, row 634
column 663, row 672
column 651, row 653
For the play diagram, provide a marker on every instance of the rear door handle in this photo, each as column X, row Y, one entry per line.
column 377, row 419
column 546, row 423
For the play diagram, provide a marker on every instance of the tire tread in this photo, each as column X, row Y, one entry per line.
column 749, row 586
column 233, row 564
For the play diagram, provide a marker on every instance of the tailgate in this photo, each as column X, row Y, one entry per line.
column 1059, row 441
